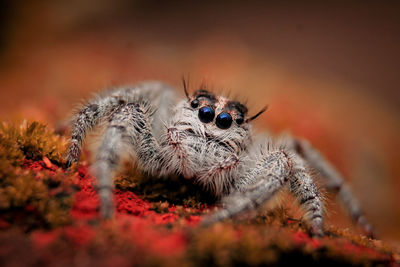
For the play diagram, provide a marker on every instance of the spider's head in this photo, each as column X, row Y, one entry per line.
column 218, row 115
column 207, row 129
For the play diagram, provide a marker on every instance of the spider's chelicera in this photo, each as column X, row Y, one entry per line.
column 209, row 139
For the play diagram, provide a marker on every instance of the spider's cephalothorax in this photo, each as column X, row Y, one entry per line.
column 206, row 138
column 207, row 130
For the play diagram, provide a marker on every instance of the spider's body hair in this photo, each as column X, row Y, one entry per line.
column 175, row 137
column 199, row 151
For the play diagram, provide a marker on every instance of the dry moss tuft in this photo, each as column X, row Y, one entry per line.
column 33, row 191
column 30, row 140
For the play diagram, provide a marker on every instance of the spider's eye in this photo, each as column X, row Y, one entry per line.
column 206, row 114
column 223, row 120
column 239, row 120
column 195, row 103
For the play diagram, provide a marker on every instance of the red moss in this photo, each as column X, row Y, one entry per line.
column 165, row 218
column 360, row 252
column 157, row 241
column 169, row 245
column 79, row 234
column 85, row 207
column 301, row 238
column 193, row 220
column 128, row 202
column 41, row 165
column 42, row 239
column 86, row 200
column 35, row 166
column 4, row 224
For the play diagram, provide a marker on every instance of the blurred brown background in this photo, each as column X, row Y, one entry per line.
column 329, row 71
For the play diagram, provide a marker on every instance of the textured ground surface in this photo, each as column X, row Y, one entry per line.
column 49, row 216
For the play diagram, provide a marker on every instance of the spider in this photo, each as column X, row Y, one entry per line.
column 206, row 138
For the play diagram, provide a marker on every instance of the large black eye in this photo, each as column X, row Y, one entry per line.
column 206, row 114
column 223, row 120
column 195, row 103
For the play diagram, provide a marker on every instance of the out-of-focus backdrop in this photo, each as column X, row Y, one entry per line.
column 329, row 72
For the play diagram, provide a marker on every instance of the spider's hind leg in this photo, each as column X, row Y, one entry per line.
column 335, row 182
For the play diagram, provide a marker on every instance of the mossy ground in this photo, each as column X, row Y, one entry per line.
column 49, row 216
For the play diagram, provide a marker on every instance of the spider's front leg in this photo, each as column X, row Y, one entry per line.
column 100, row 107
column 129, row 128
column 255, row 186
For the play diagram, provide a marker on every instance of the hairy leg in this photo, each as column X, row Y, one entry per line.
column 335, row 182
column 255, row 186
column 129, row 127
column 304, row 189
column 103, row 105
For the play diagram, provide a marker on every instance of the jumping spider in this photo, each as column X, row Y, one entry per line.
column 208, row 139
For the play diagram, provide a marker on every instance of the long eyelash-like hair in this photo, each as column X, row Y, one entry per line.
column 185, row 87
column 258, row 114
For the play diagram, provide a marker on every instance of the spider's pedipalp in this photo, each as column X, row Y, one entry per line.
column 256, row 186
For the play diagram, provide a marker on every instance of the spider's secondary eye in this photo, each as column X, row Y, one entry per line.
column 206, row 114
column 239, row 120
column 223, row 120
column 195, row 103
